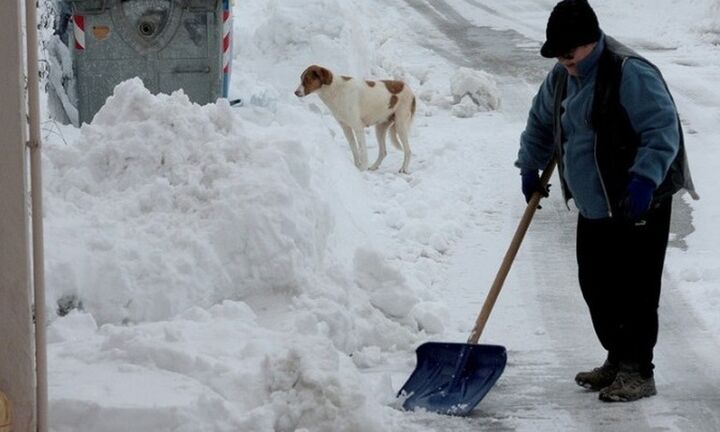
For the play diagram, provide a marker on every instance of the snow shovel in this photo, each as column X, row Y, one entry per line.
column 452, row 378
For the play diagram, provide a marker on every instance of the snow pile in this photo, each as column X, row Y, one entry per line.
column 174, row 376
column 171, row 205
column 165, row 208
column 473, row 91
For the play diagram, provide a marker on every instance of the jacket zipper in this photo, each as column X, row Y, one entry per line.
column 602, row 182
column 597, row 166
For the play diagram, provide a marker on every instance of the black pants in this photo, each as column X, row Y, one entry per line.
column 620, row 265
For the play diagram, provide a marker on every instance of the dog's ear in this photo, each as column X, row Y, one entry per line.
column 326, row 77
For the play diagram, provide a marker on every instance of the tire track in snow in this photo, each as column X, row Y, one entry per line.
column 501, row 52
column 508, row 16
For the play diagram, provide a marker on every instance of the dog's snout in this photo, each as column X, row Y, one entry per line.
column 298, row 93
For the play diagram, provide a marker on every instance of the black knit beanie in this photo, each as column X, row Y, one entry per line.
column 572, row 23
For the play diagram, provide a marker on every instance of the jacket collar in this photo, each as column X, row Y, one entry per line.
column 589, row 63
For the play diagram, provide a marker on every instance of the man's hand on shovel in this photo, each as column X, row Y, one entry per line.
column 531, row 184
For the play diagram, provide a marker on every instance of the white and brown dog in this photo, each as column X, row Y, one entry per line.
column 357, row 104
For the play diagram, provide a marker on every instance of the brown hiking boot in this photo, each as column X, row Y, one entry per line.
column 597, row 378
column 629, row 385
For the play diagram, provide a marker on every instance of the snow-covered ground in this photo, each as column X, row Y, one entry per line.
column 217, row 268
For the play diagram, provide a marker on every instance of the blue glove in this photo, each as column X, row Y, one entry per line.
column 638, row 197
column 531, row 184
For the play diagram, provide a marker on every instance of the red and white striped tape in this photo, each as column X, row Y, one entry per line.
column 79, row 31
column 227, row 22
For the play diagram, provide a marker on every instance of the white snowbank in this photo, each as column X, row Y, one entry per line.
column 165, row 209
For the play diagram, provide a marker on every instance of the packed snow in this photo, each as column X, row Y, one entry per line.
column 218, row 268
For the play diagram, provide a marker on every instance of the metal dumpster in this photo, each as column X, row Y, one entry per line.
column 169, row 44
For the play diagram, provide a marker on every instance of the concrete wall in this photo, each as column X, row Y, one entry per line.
column 17, row 368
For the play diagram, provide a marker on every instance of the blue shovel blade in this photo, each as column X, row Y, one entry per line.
column 452, row 378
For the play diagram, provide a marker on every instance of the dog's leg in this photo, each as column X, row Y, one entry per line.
column 380, row 132
column 362, row 148
column 402, row 126
column 350, row 136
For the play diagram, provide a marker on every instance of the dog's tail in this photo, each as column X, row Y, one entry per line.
column 393, row 127
column 394, row 137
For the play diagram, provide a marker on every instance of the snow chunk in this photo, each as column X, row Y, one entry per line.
column 430, row 316
column 465, row 108
column 473, row 87
column 387, row 287
column 76, row 325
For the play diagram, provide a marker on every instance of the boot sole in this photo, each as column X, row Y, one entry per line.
column 588, row 386
column 617, row 398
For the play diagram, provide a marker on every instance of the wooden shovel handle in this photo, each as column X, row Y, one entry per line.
column 509, row 256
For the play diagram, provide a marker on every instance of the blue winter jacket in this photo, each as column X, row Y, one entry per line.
column 651, row 112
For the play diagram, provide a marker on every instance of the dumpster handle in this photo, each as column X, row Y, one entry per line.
column 181, row 70
column 92, row 11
